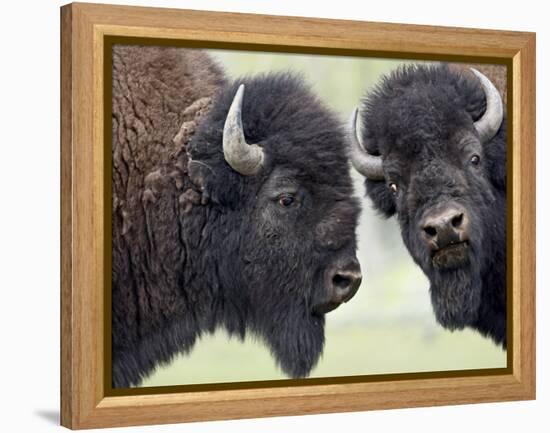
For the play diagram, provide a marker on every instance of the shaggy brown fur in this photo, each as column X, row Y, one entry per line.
column 159, row 94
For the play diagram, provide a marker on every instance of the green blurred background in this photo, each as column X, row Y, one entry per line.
column 389, row 326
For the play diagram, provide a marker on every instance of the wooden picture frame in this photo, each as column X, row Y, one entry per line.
column 86, row 401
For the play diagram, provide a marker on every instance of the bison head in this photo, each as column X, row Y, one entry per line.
column 270, row 159
column 431, row 142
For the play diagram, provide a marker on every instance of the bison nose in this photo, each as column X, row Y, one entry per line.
column 343, row 283
column 445, row 226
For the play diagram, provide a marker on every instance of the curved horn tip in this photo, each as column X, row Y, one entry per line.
column 354, row 129
column 354, row 115
column 353, row 123
column 477, row 73
column 238, row 98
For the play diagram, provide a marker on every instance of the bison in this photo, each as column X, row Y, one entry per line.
column 232, row 208
column 431, row 143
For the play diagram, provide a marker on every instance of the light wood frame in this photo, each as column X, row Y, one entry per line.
column 84, row 401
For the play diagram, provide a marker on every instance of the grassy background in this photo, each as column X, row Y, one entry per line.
column 389, row 326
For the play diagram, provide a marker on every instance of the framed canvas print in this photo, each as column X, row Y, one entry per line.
column 265, row 216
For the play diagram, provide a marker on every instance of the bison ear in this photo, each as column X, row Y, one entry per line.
column 382, row 199
column 215, row 185
column 495, row 158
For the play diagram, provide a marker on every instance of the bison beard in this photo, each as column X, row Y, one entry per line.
column 295, row 341
column 199, row 245
column 455, row 273
column 456, row 295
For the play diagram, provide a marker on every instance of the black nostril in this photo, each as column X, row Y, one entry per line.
column 457, row 220
column 444, row 226
column 341, row 281
column 344, row 283
column 430, row 231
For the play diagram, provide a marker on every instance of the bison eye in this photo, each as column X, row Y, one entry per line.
column 475, row 159
column 393, row 188
column 286, row 200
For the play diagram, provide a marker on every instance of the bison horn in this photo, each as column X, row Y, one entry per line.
column 489, row 124
column 247, row 159
column 368, row 165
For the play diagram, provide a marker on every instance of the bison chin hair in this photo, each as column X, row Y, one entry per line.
column 456, row 289
column 456, row 294
column 296, row 341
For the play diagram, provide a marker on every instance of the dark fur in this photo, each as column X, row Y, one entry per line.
column 421, row 120
column 196, row 245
